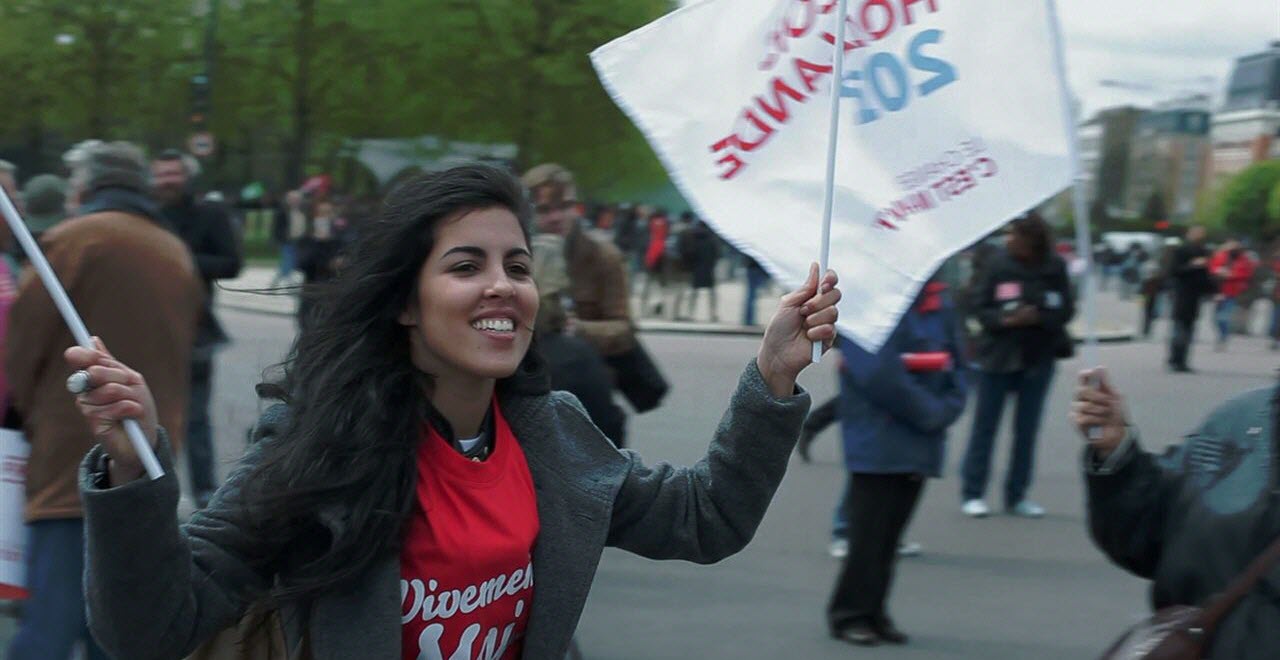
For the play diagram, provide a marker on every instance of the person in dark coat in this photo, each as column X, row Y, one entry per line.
column 1022, row 299
column 1189, row 273
column 1192, row 519
column 895, row 412
column 209, row 234
column 701, row 253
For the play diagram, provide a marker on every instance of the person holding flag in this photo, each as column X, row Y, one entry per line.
column 419, row 474
column 136, row 285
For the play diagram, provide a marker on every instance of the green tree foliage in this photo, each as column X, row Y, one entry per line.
column 1241, row 206
column 294, row 78
column 1273, row 206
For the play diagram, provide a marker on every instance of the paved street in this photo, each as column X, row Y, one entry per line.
column 995, row 588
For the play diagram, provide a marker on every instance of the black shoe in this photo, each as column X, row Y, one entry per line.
column 1179, row 368
column 860, row 633
column 888, row 632
column 802, row 447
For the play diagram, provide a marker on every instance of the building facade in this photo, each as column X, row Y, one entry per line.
column 1247, row 128
column 1167, row 159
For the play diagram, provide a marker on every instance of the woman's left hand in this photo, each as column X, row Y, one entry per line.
column 804, row 316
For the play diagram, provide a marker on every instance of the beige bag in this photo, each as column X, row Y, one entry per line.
column 258, row 636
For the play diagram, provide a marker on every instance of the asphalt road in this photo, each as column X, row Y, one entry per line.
column 994, row 588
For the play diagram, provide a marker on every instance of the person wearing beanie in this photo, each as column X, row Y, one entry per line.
column 45, row 198
column 135, row 285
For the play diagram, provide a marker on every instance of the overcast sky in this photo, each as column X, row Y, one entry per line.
column 1169, row 45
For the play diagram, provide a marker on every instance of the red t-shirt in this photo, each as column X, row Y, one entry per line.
column 466, row 571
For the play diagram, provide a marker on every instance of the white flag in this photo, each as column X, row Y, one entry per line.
column 951, row 124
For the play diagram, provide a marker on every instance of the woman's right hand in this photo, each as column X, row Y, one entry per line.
column 1098, row 406
column 115, row 393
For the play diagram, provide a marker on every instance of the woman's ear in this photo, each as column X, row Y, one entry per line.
column 408, row 316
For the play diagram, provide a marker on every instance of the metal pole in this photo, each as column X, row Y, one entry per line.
column 833, row 134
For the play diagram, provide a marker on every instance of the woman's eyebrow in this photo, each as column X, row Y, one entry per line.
column 465, row 249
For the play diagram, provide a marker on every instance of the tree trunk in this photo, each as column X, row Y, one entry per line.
column 300, row 141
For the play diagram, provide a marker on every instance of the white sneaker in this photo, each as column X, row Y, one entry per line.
column 975, row 509
column 839, row 548
column 1026, row 509
column 910, row 549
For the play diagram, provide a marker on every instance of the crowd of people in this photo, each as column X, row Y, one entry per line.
column 449, row 419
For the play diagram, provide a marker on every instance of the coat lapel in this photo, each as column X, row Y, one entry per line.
column 574, row 507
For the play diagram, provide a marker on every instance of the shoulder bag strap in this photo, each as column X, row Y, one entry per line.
column 1227, row 599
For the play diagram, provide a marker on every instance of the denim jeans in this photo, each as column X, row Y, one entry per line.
column 1222, row 317
column 53, row 617
column 199, row 430
column 756, row 279
column 840, row 517
column 1031, row 385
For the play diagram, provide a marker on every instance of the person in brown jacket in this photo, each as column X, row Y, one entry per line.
column 596, row 302
column 135, row 285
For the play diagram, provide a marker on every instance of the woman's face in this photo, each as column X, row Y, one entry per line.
column 476, row 301
column 1017, row 244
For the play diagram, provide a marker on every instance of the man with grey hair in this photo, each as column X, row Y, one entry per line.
column 135, row 285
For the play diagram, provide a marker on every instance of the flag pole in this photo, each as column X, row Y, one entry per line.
column 833, row 134
column 1084, row 244
column 73, row 320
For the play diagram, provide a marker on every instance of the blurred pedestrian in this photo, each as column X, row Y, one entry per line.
column 45, row 202
column 895, row 408
column 677, row 262
column 420, row 456
column 655, row 262
column 1193, row 519
column 1274, row 267
column 1152, row 276
column 1023, row 303
column 288, row 229
column 319, row 254
column 572, row 364
column 701, row 254
column 9, row 271
column 208, row 233
column 1189, row 274
column 136, row 286
column 595, row 299
column 757, row 278
column 626, row 235
column 9, row 182
column 1233, row 269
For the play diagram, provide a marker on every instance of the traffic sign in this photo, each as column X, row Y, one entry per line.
column 201, row 144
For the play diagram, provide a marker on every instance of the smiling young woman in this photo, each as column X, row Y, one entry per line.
column 418, row 473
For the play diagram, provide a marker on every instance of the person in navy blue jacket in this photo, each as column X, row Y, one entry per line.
column 895, row 408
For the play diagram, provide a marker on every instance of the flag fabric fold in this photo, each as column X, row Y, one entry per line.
column 950, row 126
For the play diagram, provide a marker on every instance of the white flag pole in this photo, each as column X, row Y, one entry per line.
column 833, row 134
column 73, row 321
column 1084, row 245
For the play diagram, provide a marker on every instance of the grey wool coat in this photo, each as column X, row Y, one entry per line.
column 157, row 589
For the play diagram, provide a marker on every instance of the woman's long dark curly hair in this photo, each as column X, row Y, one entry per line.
column 337, row 481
